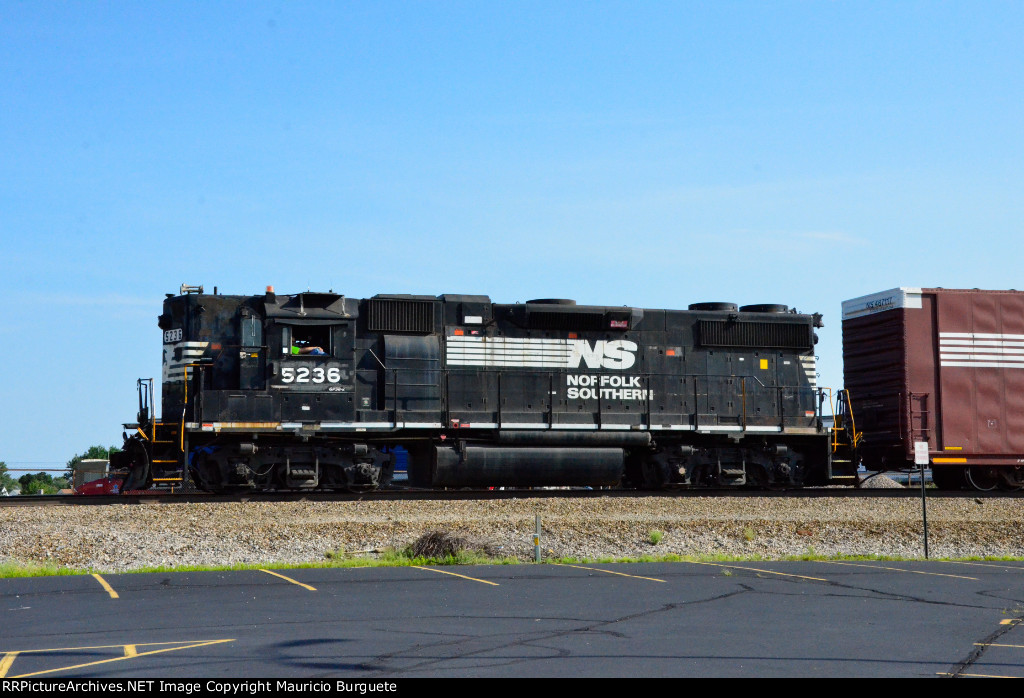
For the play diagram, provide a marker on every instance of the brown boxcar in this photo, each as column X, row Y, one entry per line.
column 942, row 366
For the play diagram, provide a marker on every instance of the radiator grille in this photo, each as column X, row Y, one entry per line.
column 398, row 315
column 754, row 335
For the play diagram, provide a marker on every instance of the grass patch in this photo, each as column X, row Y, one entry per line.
column 804, row 557
column 35, row 569
column 442, row 549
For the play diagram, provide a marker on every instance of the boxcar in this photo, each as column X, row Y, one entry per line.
column 941, row 366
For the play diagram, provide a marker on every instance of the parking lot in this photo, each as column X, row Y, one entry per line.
column 839, row 618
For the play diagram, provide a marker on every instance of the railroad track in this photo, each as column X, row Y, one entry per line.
column 397, row 494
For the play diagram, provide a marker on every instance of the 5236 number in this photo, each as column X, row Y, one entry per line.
column 304, row 374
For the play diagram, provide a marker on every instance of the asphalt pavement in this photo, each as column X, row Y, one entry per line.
column 910, row 619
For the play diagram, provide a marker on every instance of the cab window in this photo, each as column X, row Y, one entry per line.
column 308, row 340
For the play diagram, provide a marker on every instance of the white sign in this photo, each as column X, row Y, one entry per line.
column 920, row 453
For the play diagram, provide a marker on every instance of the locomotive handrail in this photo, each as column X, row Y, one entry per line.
column 782, row 410
column 709, row 394
column 854, row 436
column 146, row 405
column 743, row 404
column 701, row 391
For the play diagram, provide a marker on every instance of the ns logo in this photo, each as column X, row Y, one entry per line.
column 616, row 353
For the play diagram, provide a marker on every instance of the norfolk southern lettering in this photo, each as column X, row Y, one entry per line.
column 606, row 387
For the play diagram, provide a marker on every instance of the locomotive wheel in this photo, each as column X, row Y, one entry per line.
column 981, row 478
column 206, row 474
column 653, row 475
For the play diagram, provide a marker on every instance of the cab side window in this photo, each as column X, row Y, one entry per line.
column 313, row 340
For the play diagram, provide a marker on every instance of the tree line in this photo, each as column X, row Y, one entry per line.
column 45, row 483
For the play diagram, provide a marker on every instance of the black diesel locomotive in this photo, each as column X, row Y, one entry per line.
column 317, row 391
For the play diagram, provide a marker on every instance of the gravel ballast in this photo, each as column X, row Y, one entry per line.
column 122, row 537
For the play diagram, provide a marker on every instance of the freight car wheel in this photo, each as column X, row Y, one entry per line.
column 981, row 478
column 948, row 478
column 1013, row 480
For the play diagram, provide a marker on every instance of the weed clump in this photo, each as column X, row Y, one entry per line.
column 438, row 545
column 337, row 554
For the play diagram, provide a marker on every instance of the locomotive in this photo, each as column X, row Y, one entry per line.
column 317, row 391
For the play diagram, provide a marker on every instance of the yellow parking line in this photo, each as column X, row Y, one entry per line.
column 978, row 676
column 1009, row 621
column 897, row 569
column 754, row 569
column 6, row 662
column 121, row 659
column 103, row 583
column 621, row 574
column 100, row 647
column 472, row 579
column 996, row 644
column 289, row 579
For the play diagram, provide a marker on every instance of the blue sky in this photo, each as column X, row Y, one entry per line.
column 649, row 154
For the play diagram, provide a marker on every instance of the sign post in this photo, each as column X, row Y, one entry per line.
column 921, row 459
column 536, row 541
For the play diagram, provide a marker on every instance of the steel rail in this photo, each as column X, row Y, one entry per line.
column 399, row 494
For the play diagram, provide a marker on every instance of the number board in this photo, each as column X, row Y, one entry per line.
column 171, row 336
column 330, row 377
